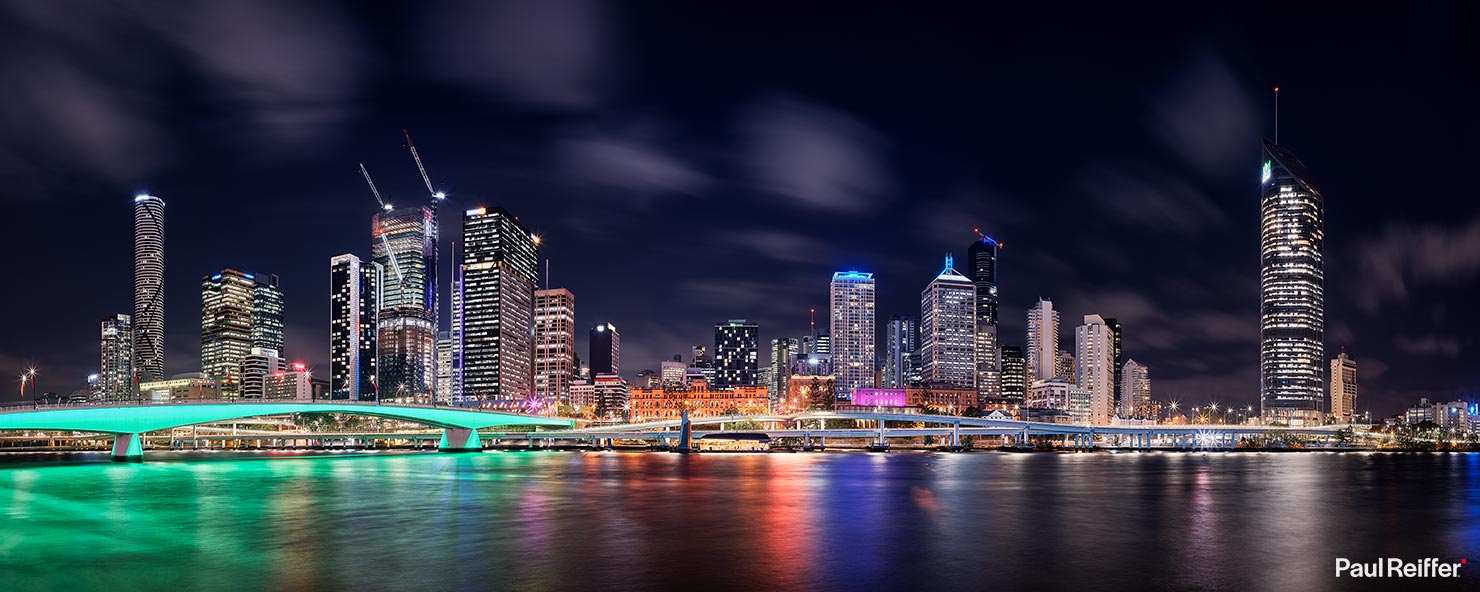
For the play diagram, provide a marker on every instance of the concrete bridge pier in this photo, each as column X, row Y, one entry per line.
column 460, row 440
column 128, row 448
column 880, row 445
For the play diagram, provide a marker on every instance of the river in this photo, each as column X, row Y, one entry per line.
column 803, row 521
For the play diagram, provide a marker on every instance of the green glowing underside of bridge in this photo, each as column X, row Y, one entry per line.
column 149, row 418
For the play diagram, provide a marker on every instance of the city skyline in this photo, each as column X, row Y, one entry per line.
column 1191, row 316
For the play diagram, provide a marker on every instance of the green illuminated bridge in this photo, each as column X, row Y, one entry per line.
column 128, row 421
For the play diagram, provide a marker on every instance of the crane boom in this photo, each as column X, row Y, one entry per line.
column 390, row 253
column 419, row 167
column 366, row 172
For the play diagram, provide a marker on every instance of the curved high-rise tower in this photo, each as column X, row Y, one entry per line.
column 1291, row 285
column 148, row 288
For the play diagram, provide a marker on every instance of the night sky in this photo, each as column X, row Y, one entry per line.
column 692, row 162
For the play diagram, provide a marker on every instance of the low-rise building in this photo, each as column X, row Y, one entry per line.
column 700, row 399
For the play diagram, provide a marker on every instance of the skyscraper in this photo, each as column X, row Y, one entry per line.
column 1114, row 325
column 233, row 305
column 1094, row 367
column 1135, row 390
column 404, row 244
column 1343, row 388
column 554, row 344
column 782, row 351
column 982, row 255
column 606, row 350
column 736, row 353
column 852, row 337
column 1066, row 368
column 499, row 269
column 1291, row 284
column 354, row 288
column 442, row 392
column 948, row 329
column 148, row 320
column 116, row 348
column 903, row 337
column 1014, row 374
column 1042, row 351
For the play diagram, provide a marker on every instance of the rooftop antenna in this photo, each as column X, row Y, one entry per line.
column 1276, row 115
column 812, row 323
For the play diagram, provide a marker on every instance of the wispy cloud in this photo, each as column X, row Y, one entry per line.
column 1403, row 256
column 1142, row 195
column 1205, row 114
column 803, row 153
column 630, row 163
column 1428, row 345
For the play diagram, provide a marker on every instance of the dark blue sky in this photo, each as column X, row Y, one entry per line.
column 693, row 162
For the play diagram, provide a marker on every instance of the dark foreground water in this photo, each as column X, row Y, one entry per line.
column 635, row 521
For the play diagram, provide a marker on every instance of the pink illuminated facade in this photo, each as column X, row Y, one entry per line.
column 879, row 397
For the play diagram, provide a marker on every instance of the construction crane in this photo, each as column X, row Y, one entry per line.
column 436, row 195
column 984, row 238
column 390, row 253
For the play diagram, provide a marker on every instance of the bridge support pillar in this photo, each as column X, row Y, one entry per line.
column 685, row 435
column 880, row 445
column 128, row 448
column 460, row 440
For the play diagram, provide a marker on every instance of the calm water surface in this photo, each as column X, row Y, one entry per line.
column 635, row 521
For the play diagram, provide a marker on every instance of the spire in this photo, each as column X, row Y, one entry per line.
column 950, row 262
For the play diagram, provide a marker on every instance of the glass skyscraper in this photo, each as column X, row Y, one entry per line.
column 498, row 271
column 1291, row 290
column 238, row 312
column 736, row 353
column 116, row 349
column 948, row 329
column 852, row 339
column 354, row 299
column 901, row 350
column 148, row 320
column 404, row 244
column 982, row 261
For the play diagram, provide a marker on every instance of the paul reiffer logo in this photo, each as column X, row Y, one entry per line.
column 1392, row 567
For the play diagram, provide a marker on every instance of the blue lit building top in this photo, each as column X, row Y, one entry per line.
column 852, row 275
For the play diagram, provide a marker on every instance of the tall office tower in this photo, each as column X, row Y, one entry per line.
column 455, row 330
column 116, row 368
column 1343, row 388
column 1014, row 374
column 442, row 392
column 1114, row 325
column 606, row 350
column 852, row 337
column 500, row 269
column 982, row 255
column 148, row 321
column 822, row 344
column 782, row 350
column 354, row 298
column 1135, row 390
column 267, row 313
column 1066, row 368
column 903, row 337
column 404, row 243
column 1042, row 351
column 948, row 329
column 255, row 367
column 233, row 304
column 736, row 353
column 1291, row 285
column 554, row 344
column 1094, row 367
